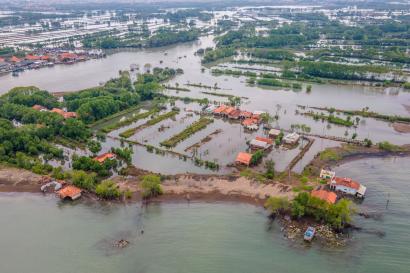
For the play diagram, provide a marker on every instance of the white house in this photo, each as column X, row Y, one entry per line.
column 292, row 138
column 327, row 174
column 348, row 186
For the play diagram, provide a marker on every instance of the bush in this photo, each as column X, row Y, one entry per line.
column 256, row 157
column 387, row 146
column 151, row 185
column 83, row 180
column 107, row 190
column 277, row 204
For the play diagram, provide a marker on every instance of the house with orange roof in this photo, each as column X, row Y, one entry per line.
column 245, row 115
column 243, row 158
column 264, row 139
column 2, row 60
column 63, row 113
column 70, row 192
column 347, row 186
column 14, row 59
column 103, row 157
column 30, row 57
column 250, row 124
column 228, row 110
column 67, row 56
column 220, row 109
column 328, row 196
column 234, row 114
column 39, row 108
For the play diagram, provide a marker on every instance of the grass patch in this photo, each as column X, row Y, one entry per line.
column 128, row 133
column 190, row 130
column 128, row 121
column 329, row 155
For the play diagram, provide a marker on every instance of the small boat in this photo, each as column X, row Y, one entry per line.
column 309, row 234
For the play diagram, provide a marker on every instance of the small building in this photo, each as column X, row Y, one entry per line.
column 259, row 145
column 327, row 174
column 70, row 192
column 210, row 108
column 245, row 115
column 258, row 112
column 348, row 186
column 39, row 108
column 33, row 57
column 220, row 109
column 273, row 133
column 327, row 196
column 243, row 158
column 103, row 157
column 234, row 114
column 250, row 124
column 228, row 111
column 68, row 57
column 64, row 114
column 2, row 60
column 14, row 59
column 291, row 139
column 265, row 139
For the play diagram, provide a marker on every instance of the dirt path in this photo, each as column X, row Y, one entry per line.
column 18, row 180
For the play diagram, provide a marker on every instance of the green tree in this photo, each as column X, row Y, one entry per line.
column 151, row 185
column 107, row 189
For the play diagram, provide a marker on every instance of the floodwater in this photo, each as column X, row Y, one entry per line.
column 202, row 237
column 223, row 147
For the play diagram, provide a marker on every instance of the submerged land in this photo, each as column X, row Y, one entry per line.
column 244, row 104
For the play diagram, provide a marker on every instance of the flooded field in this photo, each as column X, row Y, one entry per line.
column 286, row 104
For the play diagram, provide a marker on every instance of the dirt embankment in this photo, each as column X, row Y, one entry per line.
column 401, row 127
column 212, row 188
column 18, row 180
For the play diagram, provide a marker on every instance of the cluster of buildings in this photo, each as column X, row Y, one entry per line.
column 44, row 58
column 61, row 188
column 249, row 120
column 343, row 185
column 61, row 112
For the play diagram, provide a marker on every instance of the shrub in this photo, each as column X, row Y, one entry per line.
column 277, row 204
column 151, row 185
column 107, row 190
column 83, row 180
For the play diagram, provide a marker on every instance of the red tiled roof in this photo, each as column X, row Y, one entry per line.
column 246, row 114
column 235, row 113
column 14, row 59
column 244, row 158
column 103, row 157
column 220, row 109
column 69, row 191
column 1, row 60
column 39, row 107
column 327, row 196
column 228, row 110
column 32, row 57
column 67, row 55
column 248, row 122
column 347, row 182
column 63, row 113
column 264, row 139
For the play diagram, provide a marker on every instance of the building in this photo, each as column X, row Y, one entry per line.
column 234, row 114
column 228, row 110
column 68, row 57
column 63, row 113
column 265, row 139
column 347, row 186
column 103, row 157
column 39, row 108
column 327, row 196
column 210, row 108
column 243, row 158
column 14, row 59
column 250, row 124
column 70, row 192
column 327, row 174
column 273, row 133
column 291, row 139
column 245, row 115
column 260, row 144
column 219, row 111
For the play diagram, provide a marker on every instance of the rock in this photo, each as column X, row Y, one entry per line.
column 121, row 243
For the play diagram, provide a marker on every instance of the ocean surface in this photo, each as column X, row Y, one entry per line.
column 40, row 234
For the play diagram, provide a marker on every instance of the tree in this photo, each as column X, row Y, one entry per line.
column 277, row 204
column 94, row 146
column 107, row 189
column 270, row 169
column 151, row 185
column 83, row 180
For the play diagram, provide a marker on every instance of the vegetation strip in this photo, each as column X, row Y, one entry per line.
column 113, row 116
column 191, row 129
column 126, row 122
column 128, row 133
column 365, row 113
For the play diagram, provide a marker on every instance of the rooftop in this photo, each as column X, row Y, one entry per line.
column 244, row 158
column 347, row 182
column 70, row 191
column 103, row 157
column 327, row 196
